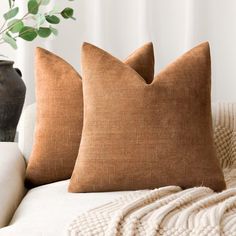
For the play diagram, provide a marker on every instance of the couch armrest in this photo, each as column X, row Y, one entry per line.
column 12, row 174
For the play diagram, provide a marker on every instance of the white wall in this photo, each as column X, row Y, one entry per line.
column 121, row 26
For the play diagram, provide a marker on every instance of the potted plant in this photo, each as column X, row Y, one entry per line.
column 36, row 22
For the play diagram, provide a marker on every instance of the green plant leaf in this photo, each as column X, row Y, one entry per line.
column 54, row 31
column 43, row 2
column 8, row 39
column 33, row 7
column 67, row 13
column 40, row 19
column 53, row 19
column 28, row 33
column 15, row 25
column 44, row 32
column 12, row 13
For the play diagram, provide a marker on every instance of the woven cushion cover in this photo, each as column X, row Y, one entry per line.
column 60, row 114
column 140, row 135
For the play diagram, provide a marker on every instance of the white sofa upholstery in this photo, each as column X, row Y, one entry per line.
column 12, row 173
column 49, row 209
column 26, row 130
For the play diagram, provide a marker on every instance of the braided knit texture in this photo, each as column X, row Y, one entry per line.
column 171, row 211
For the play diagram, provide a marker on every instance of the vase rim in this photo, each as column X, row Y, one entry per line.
column 6, row 62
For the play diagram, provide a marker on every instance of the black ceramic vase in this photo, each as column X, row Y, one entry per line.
column 12, row 97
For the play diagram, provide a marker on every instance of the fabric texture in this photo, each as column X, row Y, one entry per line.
column 50, row 209
column 140, row 135
column 47, row 210
column 165, row 211
column 12, row 173
column 59, row 118
column 171, row 210
column 225, row 140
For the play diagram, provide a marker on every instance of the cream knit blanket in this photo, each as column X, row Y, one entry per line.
column 170, row 210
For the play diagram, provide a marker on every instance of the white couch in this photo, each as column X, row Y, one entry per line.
column 43, row 211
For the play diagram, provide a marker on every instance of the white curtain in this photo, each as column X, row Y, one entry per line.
column 120, row 26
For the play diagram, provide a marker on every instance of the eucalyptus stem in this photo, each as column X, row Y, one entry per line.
column 5, row 21
column 10, row 26
column 35, row 22
column 3, row 25
column 9, row 2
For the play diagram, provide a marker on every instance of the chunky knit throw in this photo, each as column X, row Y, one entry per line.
column 170, row 210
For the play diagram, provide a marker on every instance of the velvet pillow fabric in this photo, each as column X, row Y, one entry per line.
column 141, row 134
column 59, row 120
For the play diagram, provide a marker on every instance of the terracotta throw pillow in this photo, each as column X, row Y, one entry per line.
column 60, row 114
column 143, row 136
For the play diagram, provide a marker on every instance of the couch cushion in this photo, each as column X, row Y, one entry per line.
column 59, row 118
column 12, row 173
column 49, row 209
column 138, row 135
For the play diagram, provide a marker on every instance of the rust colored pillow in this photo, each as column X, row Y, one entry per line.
column 142, row 136
column 60, row 114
